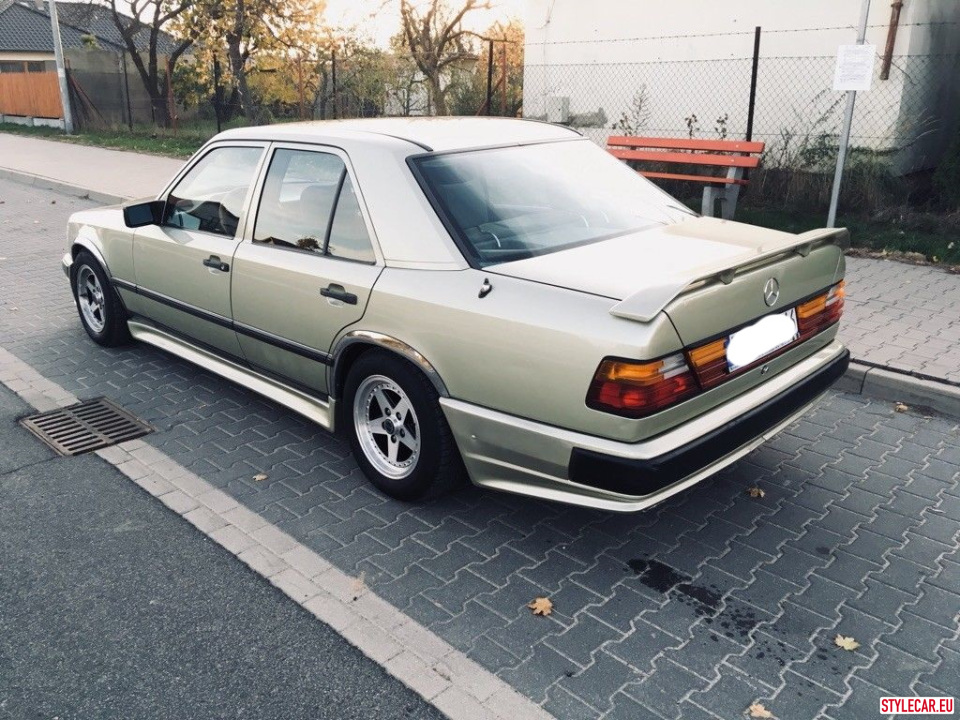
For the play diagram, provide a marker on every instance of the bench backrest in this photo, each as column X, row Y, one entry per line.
column 687, row 151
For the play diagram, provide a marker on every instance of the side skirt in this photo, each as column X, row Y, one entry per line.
column 322, row 412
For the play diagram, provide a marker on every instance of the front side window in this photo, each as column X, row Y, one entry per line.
column 309, row 204
column 517, row 202
column 210, row 197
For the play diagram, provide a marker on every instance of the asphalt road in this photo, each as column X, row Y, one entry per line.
column 113, row 607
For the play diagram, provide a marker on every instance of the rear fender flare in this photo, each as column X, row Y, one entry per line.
column 343, row 351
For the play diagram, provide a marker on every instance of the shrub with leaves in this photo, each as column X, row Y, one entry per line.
column 946, row 179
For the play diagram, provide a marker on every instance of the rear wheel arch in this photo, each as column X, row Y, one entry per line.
column 354, row 344
column 408, row 455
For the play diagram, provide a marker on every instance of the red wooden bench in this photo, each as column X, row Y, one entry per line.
column 731, row 156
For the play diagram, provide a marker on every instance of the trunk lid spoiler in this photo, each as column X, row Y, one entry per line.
column 645, row 304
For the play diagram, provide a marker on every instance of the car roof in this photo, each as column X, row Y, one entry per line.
column 427, row 133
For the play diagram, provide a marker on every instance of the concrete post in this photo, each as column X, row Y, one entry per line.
column 61, row 70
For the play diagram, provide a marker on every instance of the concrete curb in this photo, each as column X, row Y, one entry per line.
column 442, row 675
column 46, row 183
column 886, row 384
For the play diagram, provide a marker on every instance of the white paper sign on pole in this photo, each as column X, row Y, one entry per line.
column 854, row 69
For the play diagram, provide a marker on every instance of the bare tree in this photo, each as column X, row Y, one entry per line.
column 437, row 41
column 245, row 29
column 148, row 19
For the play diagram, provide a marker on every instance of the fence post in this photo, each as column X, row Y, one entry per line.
column 503, row 62
column 171, row 106
column 489, row 77
column 753, row 82
column 217, row 96
column 333, row 77
column 300, row 81
column 847, row 122
column 126, row 87
column 61, row 69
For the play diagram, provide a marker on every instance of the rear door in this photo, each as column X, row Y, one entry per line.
column 183, row 265
column 307, row 267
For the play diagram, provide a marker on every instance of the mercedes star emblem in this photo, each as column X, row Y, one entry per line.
column 771, row 292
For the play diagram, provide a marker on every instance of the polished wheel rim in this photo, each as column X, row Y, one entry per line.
column 387, row 426
column 90, row 299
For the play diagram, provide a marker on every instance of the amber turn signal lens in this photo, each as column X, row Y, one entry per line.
column 706, row 354
column 822, row 311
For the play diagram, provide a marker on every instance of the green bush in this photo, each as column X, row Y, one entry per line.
column 946, row 179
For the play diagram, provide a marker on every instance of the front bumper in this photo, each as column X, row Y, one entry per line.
column 509, row 453
column 66, row 263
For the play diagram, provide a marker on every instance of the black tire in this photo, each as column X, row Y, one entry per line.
column 108, row 325
column 438, row 468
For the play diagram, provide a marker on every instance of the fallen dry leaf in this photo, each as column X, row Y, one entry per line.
column 541, row 606
column 359, row 585
column 756, row 492
column 900, row 407
column 757, row 710
column 260, row 477
column 847, row 643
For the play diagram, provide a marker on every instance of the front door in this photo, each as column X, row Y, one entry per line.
column 183, row 266
column 309, row 267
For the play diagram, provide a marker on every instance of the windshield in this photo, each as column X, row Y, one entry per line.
column 513, row 203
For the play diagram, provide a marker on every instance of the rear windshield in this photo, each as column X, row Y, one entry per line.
column 512, row 203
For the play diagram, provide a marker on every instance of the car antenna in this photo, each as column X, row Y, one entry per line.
column 485, row 288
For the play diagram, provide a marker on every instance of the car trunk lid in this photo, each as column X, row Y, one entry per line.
column 694, row 270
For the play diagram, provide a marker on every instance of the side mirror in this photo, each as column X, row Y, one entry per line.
column 145, row 213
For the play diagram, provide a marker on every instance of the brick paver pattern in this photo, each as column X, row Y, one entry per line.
column 696, row 609
column 904, row 317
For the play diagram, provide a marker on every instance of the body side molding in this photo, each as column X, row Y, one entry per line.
column 312, row 408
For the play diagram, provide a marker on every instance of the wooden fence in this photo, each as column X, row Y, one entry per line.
column 34, row 94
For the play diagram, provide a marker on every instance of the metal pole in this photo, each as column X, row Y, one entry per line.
column 503, row 63
column 217, row 94
column 171, row 107
column 753, row 82
column 333, row 77
column 847, row 122
column 126, row 86
column 300, row 82
column 489, row 77
column 61, row 71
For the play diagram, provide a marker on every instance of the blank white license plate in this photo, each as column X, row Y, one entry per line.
column 765, row 336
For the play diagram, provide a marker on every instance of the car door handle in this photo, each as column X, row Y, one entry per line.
column 216, row 263
column 338, row 293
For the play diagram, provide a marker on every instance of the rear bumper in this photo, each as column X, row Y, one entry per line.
column 644, row 477
column 509, row 453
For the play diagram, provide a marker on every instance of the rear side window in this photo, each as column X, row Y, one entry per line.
column 309, row 204
column 210, row 197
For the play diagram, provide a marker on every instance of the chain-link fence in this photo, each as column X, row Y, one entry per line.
column 904, row 118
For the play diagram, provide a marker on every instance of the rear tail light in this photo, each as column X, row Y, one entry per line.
column 822, row 311
column 637, row 389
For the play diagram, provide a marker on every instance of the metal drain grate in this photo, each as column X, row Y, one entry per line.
column 85, row 427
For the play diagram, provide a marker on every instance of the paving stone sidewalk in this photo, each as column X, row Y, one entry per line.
column 903, row 317
column 696, row 609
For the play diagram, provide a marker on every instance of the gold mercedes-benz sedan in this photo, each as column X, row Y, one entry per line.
column 494, row 298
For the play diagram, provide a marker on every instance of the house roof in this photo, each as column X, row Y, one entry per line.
column 26, row 28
